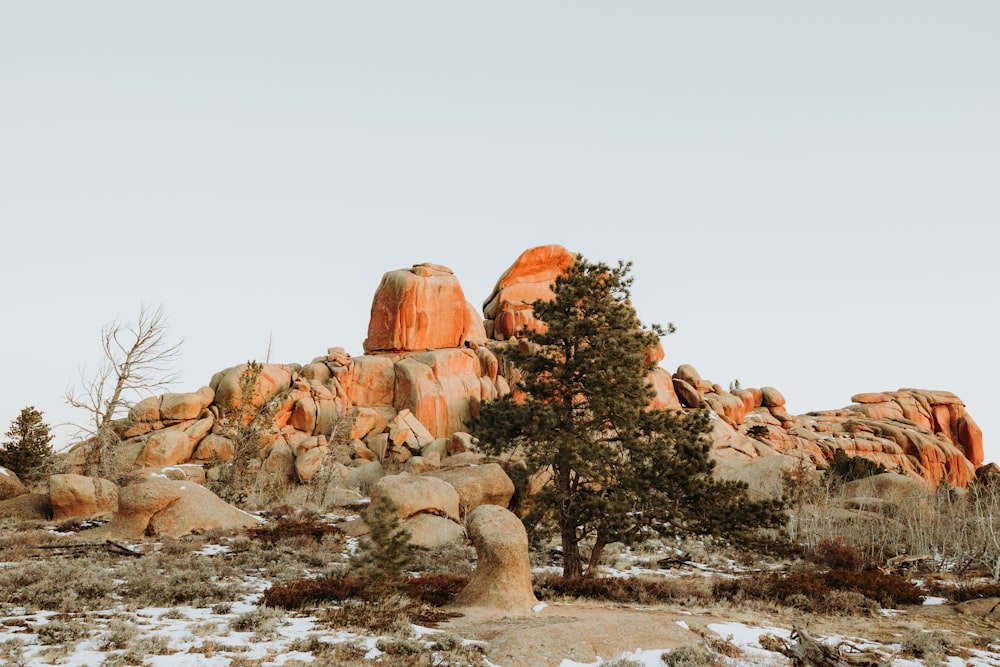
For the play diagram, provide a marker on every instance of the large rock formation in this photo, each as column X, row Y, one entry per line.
column 431, row 361
column 925, row 434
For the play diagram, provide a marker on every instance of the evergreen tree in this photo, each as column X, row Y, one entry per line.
column 380, row 559
column 27, row 449
column 581, row 412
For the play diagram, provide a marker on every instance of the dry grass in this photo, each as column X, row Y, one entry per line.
column 57, row 584
column 643, row 590
column 823, row 591
column 302, row 555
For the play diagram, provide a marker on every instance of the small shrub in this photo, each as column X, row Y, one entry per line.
column 929, row 646
column 724, row 647
column 625, row 662
column 120, row 633
column 835, row 554
column 436, row 590
column 887, row 589
column 57, row 584
column 772, row 643
column 151, row 645
column 364, row 616
column 206, row 629
column 309, row 526
column 690, row 656
column 455, row 558
column 758, row 431
column 162, row 580
column 61, row 631
column 210, row 647
column 340, row 653
column 400, row 646
column 307, row 592
column 381, row 557
column 12, row 651
column 846, row 468
column 846, row 603
column 259, row 620
column 964, row 591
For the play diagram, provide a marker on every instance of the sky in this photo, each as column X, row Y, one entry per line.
column 809, row 191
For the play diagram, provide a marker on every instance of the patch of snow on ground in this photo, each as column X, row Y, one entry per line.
column 747, row 638
column 213, row 550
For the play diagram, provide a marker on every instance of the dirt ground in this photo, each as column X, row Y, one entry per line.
column 585, row 631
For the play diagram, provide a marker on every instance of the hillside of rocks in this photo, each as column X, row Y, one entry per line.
column 431, row 357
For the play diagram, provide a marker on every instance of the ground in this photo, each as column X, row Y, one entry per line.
column 197, row 601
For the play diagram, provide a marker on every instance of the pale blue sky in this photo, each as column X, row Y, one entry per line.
column 808, row 190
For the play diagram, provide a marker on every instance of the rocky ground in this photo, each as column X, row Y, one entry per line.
column 67, row 599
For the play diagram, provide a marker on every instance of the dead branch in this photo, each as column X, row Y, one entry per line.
column 810, row 652
column 110, row 545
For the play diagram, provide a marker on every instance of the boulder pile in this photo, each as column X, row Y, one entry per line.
column 340, row 422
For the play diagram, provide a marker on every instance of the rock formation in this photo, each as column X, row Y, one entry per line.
column 530, row 278
column 478, row 485
column 502, row 580
column 81, row 497
column 925, row 434
column 10, row 485
column 421, row 308
column 340, row 421
column 163, row 507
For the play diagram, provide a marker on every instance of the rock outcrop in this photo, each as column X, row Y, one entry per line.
column 10, row 485
column 416, row 494
column 508, row 308
column 81, row 497
column 478, row 485
column 925, row 434
column 420, row 308
column 27, row 507
column 339, row 421
column 163, row 507
column 502, row 579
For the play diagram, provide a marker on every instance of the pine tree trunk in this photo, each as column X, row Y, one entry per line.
column 594, row 565
column 572, row 567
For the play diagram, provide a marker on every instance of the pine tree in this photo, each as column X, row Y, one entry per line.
column 380, row 559
column 28, row 448
column 617, row 467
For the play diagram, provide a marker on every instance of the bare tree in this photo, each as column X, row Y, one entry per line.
column 137, row 362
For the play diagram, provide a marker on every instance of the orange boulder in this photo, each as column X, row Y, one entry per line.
column 508, row 309
column 420, row 308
